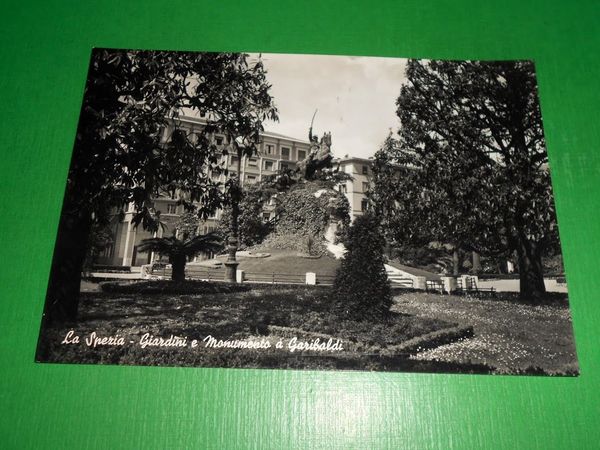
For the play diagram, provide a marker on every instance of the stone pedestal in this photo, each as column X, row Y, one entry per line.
column 420, row 283
column 239, row 276
column 231, row 271
column 449, row 284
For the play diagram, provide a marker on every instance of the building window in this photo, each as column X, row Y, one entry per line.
column 365, row 170
column 268, row 165
column 219, row 140
column 284, row 166
column 285, row 152
column 252, row 163
column 171, row 209
column 251, row 178
column 234, row 160
column 365, row 186
column 364, row 205
column 269, row 149
column 301, row 155
column 343, row 188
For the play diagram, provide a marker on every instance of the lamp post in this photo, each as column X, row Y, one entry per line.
column 231, row 263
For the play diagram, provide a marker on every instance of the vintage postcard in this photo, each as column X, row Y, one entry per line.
column 309, row 212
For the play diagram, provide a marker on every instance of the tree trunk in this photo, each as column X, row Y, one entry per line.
column 232, row 240
column 531, row 272
column 178, row 267
column 476, row 263
column 62, row 297
column 455, row 262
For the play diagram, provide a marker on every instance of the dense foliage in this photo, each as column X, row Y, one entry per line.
column 130, row 146
column 252, row 226
column 470, row 167
column 303, row 214
column 361, row 289
column 100, row 238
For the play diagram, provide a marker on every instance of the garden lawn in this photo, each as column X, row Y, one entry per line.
column 288, row 262
column 510, row 336
column 233, row 315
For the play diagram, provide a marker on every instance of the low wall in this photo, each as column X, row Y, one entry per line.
column 512, row 285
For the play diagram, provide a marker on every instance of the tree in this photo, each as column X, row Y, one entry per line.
column 130, row 147
column 252, row 228
column 246, row 107
column 474, row 163
column 361, row 290
column 184, row 244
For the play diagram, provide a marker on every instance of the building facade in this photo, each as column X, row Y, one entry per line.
column 275, row 152
column 360, row 169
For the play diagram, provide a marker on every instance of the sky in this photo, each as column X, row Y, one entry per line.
column 355, row 98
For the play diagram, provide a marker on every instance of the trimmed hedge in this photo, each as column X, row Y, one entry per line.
column 171, row 287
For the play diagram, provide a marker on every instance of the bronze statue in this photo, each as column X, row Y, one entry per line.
column 319, row 156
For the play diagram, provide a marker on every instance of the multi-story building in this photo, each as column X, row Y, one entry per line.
column 275, row 152
column 361, row 170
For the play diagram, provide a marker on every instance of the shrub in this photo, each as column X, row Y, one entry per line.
column 361, row 289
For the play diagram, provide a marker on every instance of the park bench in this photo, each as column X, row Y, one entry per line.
column 434, row 285
column 472, row 287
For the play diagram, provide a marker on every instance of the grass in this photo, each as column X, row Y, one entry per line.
column 286, row 261
column 511, row 336
column 148, row 287
column 227, row 315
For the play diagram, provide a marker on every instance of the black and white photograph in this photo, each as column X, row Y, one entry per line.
column 314, row 212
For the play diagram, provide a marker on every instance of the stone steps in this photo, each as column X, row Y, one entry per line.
column 398, row 278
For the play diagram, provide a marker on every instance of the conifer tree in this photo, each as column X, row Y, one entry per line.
column 361, row 289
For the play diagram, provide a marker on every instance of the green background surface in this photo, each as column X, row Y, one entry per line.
column 43, row 61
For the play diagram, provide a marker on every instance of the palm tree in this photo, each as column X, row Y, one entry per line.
column 179, row 250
